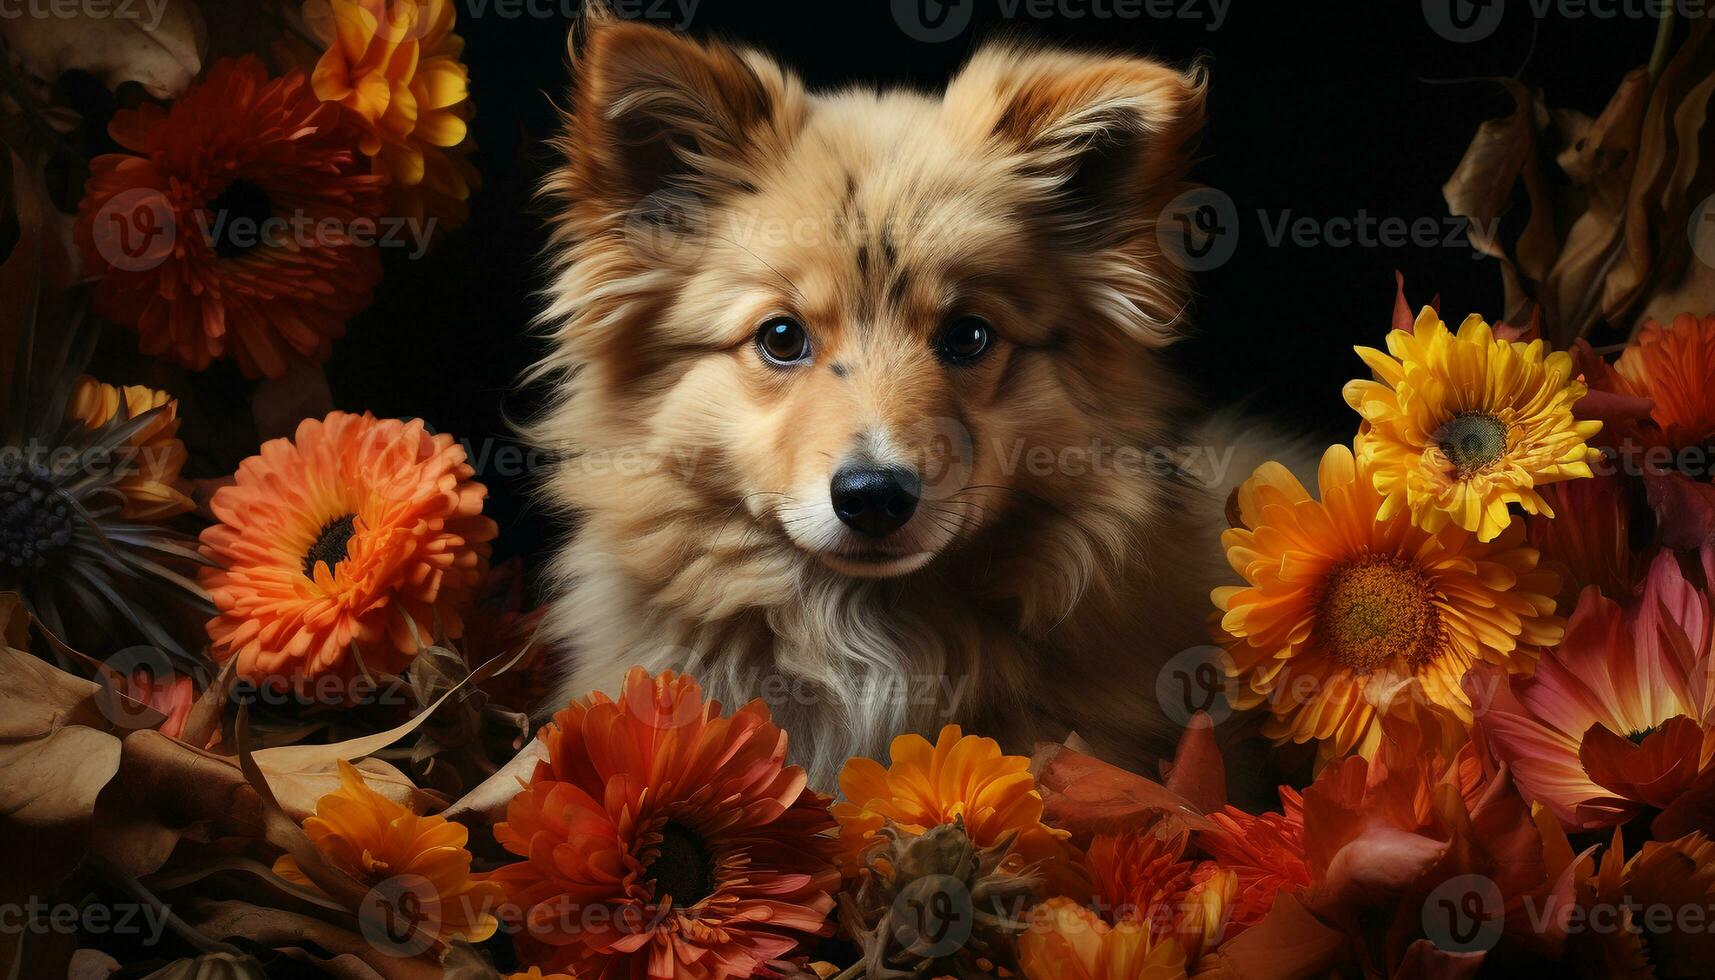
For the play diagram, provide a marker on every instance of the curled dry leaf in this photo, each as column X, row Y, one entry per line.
column 1607, row 236
column 1088, row 796
column 56, row 754
column 158, row 45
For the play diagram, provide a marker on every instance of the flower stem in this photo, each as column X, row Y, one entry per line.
column 1663, row 43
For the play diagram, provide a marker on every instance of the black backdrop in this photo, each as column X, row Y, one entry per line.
column 1333, row 109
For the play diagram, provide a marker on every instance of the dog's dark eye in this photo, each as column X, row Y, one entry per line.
column 963, row 340
column 782, row 341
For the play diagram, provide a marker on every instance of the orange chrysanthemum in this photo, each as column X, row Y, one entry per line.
column 396, row 64
column 387, row 847
column 1671, row 366
column 1647, row 914
column 1137, row 875
column 663, row 840
column 1066, row 941
column 351, row 545
column 960, row 775
column 238, row 227
column 1660, row 412
column 1142, row 878
column 1347, row 618
column 1264, row 853
column 152, row 487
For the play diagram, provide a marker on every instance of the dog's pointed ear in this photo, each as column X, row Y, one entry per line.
column 1104, row 143
column 1109, row 133
column 653, row 110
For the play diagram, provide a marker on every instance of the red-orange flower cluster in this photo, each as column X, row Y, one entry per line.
column 235, row 225
column 660, row 839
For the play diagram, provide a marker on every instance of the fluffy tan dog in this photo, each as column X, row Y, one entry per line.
column 860, row 406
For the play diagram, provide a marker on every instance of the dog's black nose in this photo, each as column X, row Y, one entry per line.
column 875, row 502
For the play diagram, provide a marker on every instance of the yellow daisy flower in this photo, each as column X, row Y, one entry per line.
column 377, row 841
column 1346, row 617
column 959, row 775
column 1456, row 427
column 397, row 64
column 152, row 488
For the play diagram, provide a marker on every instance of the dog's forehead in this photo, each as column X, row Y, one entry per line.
column 882, row 188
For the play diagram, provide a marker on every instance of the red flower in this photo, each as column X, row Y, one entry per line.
column 1265, row 852
column 238, row 229
column 662, row 840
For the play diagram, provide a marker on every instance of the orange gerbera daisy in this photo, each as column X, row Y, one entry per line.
column 350, row 546
column 400, row 854
column 396, row 64
column 1066, row 941
column 663, row 840
column 153, row 489
column 1457, row 426
column 960, row 775
column 1347, row 617
column 237, row 229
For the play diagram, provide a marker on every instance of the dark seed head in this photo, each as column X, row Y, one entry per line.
column 330, row 546
column 35, row 521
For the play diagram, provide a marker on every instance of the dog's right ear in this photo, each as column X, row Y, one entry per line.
column 654, row 111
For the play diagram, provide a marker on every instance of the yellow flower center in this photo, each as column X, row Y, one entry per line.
column 1379, row 611
column 1473, row 441
column 682, row 868
column 330, row 545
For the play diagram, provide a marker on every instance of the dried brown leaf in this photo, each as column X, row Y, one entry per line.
column 156, row 45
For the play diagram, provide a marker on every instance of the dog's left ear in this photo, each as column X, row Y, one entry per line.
column 1104, row 142
column 1111, row 134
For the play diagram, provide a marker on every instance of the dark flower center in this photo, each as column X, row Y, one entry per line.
column 331, row 544
column 35, row 521
column 1473, row 441
column 1637, row 737
column 1379, row 611
column 682, row 868
column 236, row 218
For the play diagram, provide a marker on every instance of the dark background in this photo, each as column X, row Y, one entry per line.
column 1324, row 109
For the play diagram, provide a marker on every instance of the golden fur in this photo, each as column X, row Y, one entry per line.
column 1055, row 580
